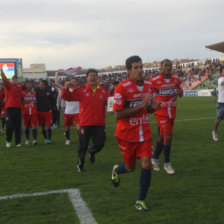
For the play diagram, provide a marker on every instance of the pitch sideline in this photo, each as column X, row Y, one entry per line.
column 84, row 214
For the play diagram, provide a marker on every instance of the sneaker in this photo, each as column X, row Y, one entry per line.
column 140, row 205
column 47, row 141
column 68, row 142
column 34, row 142
column 155, row 164
column 18, row 145
column 168, row 168
column 27, row 142
column 115, row 177
column 215, row 136
column 91, row 157
column 8, row 144
column 79, row 169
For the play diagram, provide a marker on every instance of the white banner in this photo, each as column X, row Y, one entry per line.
column 110, row 102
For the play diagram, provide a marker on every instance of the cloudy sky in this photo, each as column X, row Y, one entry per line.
column 99, row 33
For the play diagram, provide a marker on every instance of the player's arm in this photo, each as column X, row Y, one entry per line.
column 66, row 94
column 128, row 112
column 5, row 81
column 154, row 105
column 180, row 91
column 57, row 84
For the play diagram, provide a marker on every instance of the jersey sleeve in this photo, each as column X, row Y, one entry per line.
column 119, row 99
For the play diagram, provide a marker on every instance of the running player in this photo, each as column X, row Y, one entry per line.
column 133, row 102
column 29, row 111
column 167, row 87
column 220, row 104
column 92, row 99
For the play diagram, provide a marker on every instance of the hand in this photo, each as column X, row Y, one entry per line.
column 67, row 85
column 155, row 105
column 146, row 100
column 179, row 93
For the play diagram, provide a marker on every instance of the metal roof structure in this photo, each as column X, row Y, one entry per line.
column 217, row 47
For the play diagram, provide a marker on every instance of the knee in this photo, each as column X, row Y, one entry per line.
column 168, row 139
column 146, row 163
column 130, row 169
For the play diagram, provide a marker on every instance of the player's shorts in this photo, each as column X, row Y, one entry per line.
column 44, row 118
column 131, row 151
column 29, row 120
column 165, row 124
column 220, row 112
column 69, row 118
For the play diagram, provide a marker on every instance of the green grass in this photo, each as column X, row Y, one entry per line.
column 193, row 196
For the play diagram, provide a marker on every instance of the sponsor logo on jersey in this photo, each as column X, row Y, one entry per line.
column 130, row 90
column 127, row 84
column 167, row 92
column 132, row 103
column 117, row 96
column 118, row 102
column 139, row 120
column 29, row 98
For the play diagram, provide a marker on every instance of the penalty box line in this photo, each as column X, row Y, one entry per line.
column 84, row 214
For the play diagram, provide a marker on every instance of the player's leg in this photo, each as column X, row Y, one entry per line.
column 219, row 117
column 9, row 126
column 26, row 127
column 128, row 152
column 144, row 152
column 48, row 122
column 34, row 128
column 18, row 123
column 159, row 145
column 98, row 138
column 67, row 123
column 84, row 136
column 168, row 136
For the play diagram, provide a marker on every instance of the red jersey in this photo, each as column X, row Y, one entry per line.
column 29, row 103
column 166, row 91
column 13, row 93
column 91, row 104
column 2, row 96
column 128, row 95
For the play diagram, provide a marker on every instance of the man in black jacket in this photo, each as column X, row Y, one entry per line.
column 44, row 98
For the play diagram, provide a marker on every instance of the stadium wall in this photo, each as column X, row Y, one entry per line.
column 203, row 92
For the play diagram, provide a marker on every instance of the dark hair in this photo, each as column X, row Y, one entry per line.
column 163, row 61
column 15, row 77
column 91, row 70
column 221, row 68
column 131, row 60
column 45, row 82
column 27, row 81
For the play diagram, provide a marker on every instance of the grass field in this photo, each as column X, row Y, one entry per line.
column 194, row 195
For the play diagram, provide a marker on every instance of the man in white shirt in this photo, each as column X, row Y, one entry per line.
column 220, row 104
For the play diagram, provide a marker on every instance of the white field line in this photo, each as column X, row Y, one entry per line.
column 84, row 214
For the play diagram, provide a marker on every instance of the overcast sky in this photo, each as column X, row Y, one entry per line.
column 99, row 33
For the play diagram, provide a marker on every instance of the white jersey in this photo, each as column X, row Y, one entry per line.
column 71, row 107
column 220, row 90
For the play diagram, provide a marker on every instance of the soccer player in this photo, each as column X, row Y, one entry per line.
column 71, row 113
column 13, row 94
column 44, row 109
column 167, row 87
column 92, row 99
column 220, row 104
column 2, row 97
column 29, row 111
column 133, row 100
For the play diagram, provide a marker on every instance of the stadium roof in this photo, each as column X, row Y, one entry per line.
column 217, row 47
